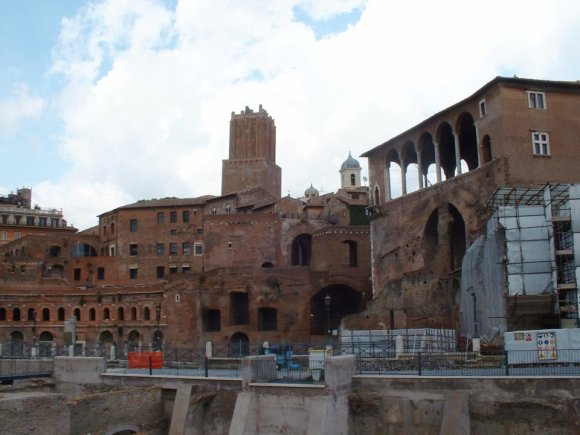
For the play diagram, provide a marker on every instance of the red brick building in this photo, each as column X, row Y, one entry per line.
column 512, row 135
column 247, row 266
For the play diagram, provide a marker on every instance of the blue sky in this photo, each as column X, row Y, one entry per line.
column 106, row 102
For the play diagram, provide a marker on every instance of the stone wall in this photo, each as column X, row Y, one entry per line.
column 495, row 405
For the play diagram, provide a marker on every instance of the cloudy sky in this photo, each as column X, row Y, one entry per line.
column 103, row 103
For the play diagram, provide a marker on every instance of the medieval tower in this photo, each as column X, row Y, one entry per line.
column 252, row 159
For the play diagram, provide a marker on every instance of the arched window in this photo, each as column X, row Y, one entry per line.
column 77, row 313
column 16, row 314
column 92, row 314
column 46, row 315
column 31, row 314
column 133, row 313
column 60, row 314
column 2, row 314
column 106, row 314
column 352, row 180
column 120, row 313
column 146, row 313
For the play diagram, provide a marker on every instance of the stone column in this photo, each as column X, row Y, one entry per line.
column 420, row 170
column 437, row 162
column 388, row 182
column 478, row 145
column 403, row 179
column 457, row 153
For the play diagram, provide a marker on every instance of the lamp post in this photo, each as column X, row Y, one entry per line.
column 327, row 302
column 158, row 332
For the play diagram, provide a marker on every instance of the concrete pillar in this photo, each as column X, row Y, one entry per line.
column 437, row 162
column 457, row 153
column 399, row 348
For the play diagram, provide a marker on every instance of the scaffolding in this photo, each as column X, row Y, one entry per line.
column 540, row 226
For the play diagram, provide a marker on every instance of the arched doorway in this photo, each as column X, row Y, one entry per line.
column 16, row 343
column 133, row 340
column 330, row 304
column 106, row 339
column 45, row 344
column 239, row 344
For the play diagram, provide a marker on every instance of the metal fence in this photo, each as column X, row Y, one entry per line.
column 18, row 368
column 303, row 362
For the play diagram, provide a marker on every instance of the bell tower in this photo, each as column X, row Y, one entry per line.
column 252, row 158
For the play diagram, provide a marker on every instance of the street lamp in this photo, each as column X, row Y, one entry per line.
column 327, row 301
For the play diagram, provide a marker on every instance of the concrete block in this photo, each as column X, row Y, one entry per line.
column 180, row 410
column 456, row 415
column 79, row 370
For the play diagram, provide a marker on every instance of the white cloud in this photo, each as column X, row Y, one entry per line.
column 149, row 91
column 18, row 107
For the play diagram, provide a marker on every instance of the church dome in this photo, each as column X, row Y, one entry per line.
column 350, row 163
column 311, row 192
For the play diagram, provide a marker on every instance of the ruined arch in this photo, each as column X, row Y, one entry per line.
column 446, row 142
column 467, row 140
column 393, row 164
column 301, row 250
column 344, row 300
column 428, row 163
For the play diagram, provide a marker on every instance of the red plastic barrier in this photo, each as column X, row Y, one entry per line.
column 140, row 360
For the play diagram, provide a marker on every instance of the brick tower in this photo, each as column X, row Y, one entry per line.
column 252, row 160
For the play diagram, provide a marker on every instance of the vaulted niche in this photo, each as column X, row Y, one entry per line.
column 301, row 250
column 326, row 313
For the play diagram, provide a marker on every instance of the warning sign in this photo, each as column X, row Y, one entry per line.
column 547, row 348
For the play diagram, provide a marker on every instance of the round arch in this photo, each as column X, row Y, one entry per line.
column 457, row 239
column 446, row 142
column 106, row 338
column 133, row 339
column 467, row 140
column 301, row 250
column 330, row 304
column 239, row 344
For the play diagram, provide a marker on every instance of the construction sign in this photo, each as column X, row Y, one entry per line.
column 145, row 360
column 547, row 348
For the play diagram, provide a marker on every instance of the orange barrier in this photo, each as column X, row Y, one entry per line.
column 140, row 360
